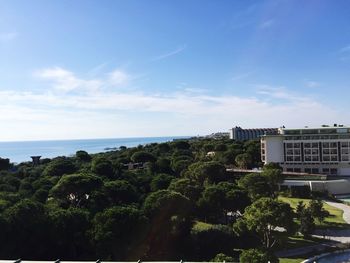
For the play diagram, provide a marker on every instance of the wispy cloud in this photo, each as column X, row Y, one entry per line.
column 171, row 53
column 8, row 36
column 267, row 24
column 66, row 81
column 99, row 113
column 119, row 78
column 312, row 84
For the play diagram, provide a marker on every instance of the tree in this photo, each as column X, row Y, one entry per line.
column 221, row 257
column 143, row 157
column 211, row 204
column 187, row 188
column 264, row 215
column 307, row 223
column 5, row 164
column 59, row 166
column 160, row 181
column 256, row 185
column 207, row 172
column 68, row 232
column 275, row 178
column 243, row 161
column 170, row 218
column 117, row 231
column 28, row 225
column 76, row 188
column 317, row 211
column 120, row 192
column 102, row 167
column 257, row 256
column 83, row 156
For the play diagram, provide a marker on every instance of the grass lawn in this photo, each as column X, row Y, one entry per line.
column 291, row 260
column 198, row 225
column 334, row 220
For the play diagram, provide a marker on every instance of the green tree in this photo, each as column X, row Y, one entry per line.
column 28, row 224
column 5, row 164
column 117, row 231
column 120, row 192
column 143, row 157
column 69, row 232
column 207, row 172
column 264, row 215
column 275, row 178
column 102, row 167
column 317, row 211
column 256, row 185
column 83, row 156
column 243, row 161
column 160, row 181
column 59, row 166
column 186, row 187
column 76, row 188
column 257, row 256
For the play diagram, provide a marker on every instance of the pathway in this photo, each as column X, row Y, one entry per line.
column 345, row 208
column 333, row 236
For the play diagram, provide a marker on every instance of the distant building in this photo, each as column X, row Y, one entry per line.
column 239, row 134
column 35, row 160
column 324, row 150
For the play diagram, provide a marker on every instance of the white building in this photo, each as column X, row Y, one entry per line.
column 324, row 150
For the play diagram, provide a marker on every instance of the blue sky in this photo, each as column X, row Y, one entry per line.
column 107, row 69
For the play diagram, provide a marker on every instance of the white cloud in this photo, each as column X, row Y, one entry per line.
column 171, row 53
column 8, row 36
column 312, row 84
column 123, row 113
column 119, row 78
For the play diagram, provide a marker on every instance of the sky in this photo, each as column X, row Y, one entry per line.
column 109, row 69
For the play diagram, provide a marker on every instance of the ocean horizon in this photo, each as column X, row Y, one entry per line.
column 20, row 151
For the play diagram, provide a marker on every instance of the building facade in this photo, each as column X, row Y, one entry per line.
column 324, row 150
column 239, row 134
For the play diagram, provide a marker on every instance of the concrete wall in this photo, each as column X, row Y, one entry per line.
column 335, row 187
column 274, row 151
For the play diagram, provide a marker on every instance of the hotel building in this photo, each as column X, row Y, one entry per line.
column 239, row 134
column 324, row 150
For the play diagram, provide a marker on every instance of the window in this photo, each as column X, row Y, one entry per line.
column 307, row 170
column 334, row 171
column 314, row 170
column 289, row 145
column 326, row 158
column 334, row 158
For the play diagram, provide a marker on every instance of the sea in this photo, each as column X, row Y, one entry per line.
column 20, row 151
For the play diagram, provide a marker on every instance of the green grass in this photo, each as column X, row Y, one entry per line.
column 334, row 220
column 198, row 225
column 291, row 260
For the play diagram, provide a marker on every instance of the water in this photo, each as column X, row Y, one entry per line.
column 21, row 151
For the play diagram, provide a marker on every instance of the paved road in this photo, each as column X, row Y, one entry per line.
column 333, row 236
column 315, row 249
column 343, row 207
column 339, row 235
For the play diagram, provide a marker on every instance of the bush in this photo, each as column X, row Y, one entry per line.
column 257, row 256
column 300, row 191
